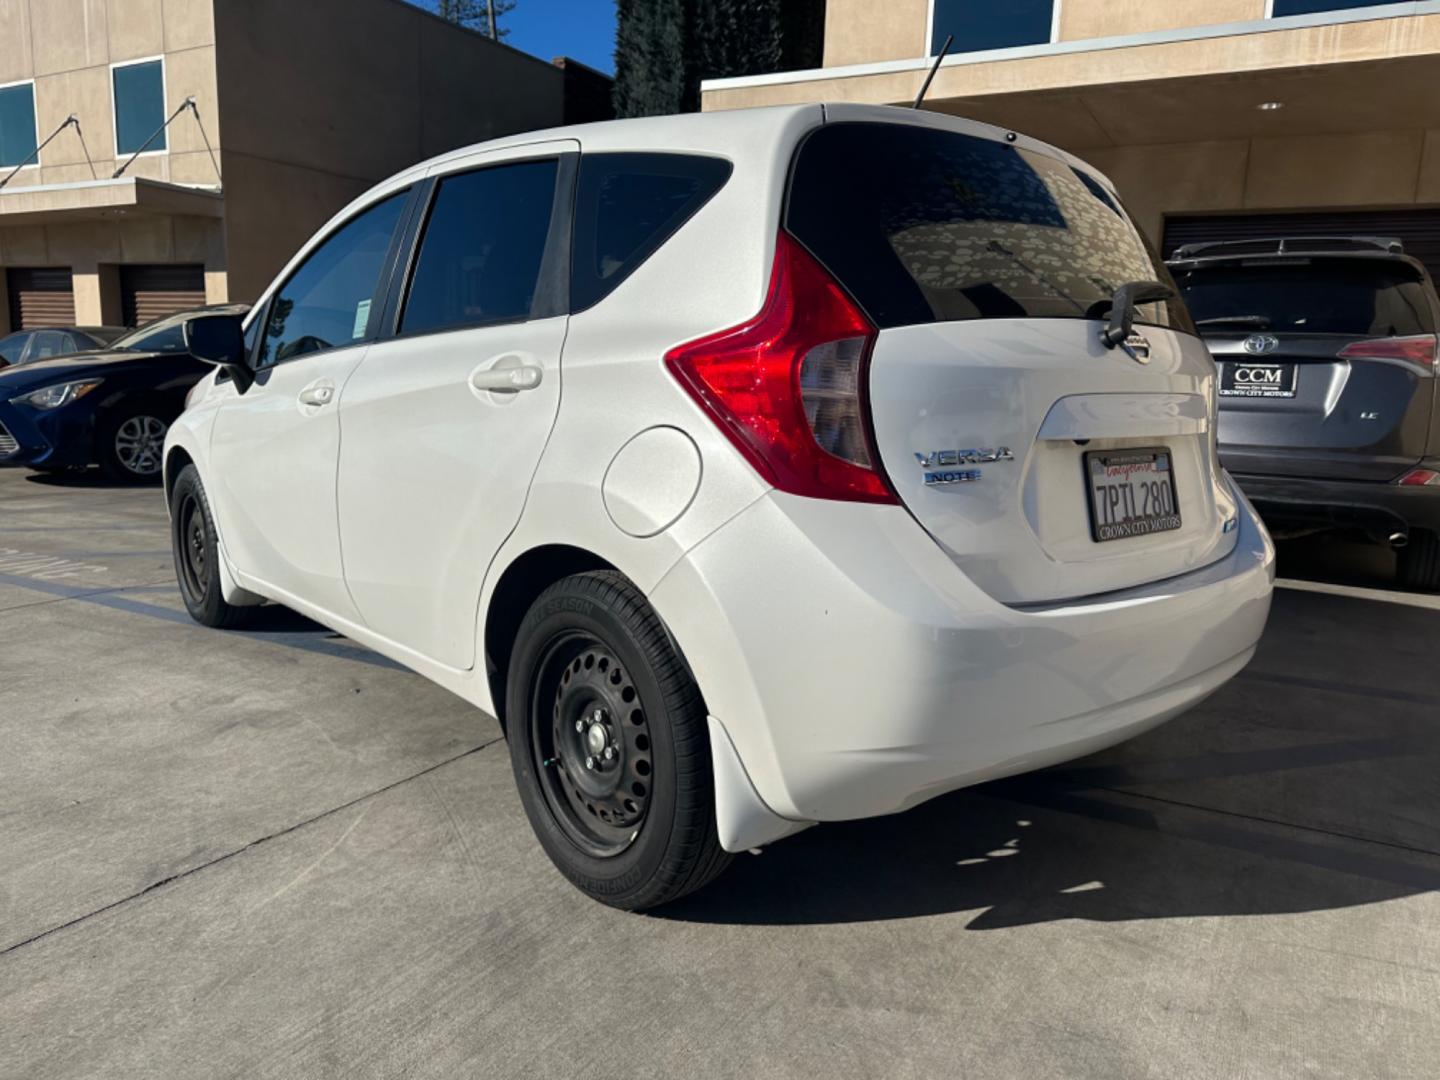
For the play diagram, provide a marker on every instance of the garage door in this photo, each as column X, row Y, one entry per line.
column 150, row 292
column 1418, row 230
column 40, row 297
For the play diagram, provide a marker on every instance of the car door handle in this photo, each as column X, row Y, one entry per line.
column 317, row 395
column 508, row 380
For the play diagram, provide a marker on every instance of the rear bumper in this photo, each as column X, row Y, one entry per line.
column 56, row 439
column 858, row 672
column 1344, row 504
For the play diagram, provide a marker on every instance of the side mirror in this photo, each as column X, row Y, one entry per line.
column 220, row 340
column 1123, row 304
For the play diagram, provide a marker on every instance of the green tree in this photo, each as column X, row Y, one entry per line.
column 476, row 14
column 664, row 48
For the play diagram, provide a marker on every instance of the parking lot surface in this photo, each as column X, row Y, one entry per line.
column 274, row 853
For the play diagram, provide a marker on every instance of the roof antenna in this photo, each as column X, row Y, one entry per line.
column 944, row 49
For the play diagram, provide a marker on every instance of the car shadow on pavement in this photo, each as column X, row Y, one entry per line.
column 1293, row 789
column 80, row 479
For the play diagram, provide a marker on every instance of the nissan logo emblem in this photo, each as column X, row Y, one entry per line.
column 1260, row 344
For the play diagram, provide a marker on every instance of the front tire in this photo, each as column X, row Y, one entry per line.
column 1418, row 562
column 196, row 548
column 610, row 745
column 132, row 443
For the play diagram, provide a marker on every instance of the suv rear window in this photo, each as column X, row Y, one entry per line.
column 626, row 206
column 1357, row 297
column 923, row 225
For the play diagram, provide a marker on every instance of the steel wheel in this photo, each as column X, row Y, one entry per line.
column 140, row 445
column 591, row 744
column 194, row 567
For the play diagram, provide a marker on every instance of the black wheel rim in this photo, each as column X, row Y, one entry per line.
column 190, row 544
column 590, row 738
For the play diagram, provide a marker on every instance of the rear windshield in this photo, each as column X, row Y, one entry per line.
column 924, row 226
column 1361, row 298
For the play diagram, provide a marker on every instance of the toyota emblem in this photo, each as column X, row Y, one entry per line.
column 1260, row 344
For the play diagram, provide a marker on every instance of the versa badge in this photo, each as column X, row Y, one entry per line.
column 947, row 466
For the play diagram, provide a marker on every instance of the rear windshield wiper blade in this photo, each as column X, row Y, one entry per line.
column 1262, row 321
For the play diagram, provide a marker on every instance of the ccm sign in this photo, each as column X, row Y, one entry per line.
column 1248, row 379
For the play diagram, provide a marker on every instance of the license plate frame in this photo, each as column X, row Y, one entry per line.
column 1282, row 386
column 1103, row 507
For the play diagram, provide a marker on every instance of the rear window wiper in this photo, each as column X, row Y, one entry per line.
column 1261, row 321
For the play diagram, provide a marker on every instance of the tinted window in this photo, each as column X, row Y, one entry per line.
column 17, row 124
column 932, row 226
column 1310, row 296
column 12, row 346
column 139, row 106
column 1306, row 7
column 48, row 343
column 328, row 301
column 626, row 206
column 991, row 24
column 482, row 248
column 167, row 339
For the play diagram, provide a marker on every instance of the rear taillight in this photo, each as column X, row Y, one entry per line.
column 1419, row 350
column 789, row 386
column 1420, row 478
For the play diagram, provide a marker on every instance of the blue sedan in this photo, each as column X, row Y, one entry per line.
column 109, row 407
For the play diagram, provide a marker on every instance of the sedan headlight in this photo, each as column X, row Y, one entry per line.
column 53, row 397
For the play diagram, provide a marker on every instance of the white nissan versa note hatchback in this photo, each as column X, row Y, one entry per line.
column 756, row 469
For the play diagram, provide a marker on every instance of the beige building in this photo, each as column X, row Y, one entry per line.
column 299, row 105
column 1216, row 118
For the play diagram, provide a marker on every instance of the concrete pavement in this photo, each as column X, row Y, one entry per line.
column 277, row 854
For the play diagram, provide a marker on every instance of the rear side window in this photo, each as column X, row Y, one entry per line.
column 482, row 248
column 924, row 226
column 1358, row 297
column 627, row 206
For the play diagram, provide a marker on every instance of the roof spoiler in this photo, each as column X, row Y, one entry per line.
column 1289, row 245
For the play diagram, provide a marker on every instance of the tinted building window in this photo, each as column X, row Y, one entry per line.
column 991, row 24
column 481, row 251
column 329, row 301
column 1307, row 7
column 17, row 124
column 139, row 106
column 628, row 205
column 935, row 226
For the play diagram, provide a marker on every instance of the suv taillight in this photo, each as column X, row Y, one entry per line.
column 1420, row 478
column 788, row 387
column 1419, row 350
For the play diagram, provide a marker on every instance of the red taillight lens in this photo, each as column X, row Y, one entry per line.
column 1420, row 478
column 1419, row 350
column 788, row 387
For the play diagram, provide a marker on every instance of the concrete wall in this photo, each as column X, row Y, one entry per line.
column 67, row 47
column 1081, row 19
column 862, row 31
column 1363, row 171
column 322, row 99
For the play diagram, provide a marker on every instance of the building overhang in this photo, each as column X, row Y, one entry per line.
column 1361, row 70
column 102, row 200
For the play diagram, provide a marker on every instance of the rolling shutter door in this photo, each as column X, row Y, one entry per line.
column 152, row 292
column 1418, row 230
column 40, row 297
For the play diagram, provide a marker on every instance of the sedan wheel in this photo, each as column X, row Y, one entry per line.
column 140, row 445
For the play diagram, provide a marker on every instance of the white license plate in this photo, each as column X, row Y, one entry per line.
column 1132, row 493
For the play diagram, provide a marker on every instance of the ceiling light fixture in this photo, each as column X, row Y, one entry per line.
column 1270, row 106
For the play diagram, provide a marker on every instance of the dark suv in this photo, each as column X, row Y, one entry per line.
column 1328, row 372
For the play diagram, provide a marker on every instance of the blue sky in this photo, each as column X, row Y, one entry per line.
column 583, row 29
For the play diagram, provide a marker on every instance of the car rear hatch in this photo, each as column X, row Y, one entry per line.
column 1006, row 426
column 1327, row 362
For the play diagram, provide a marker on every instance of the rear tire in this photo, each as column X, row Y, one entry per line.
column 1418, row 562
column 196, row 548
column 610, row 745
